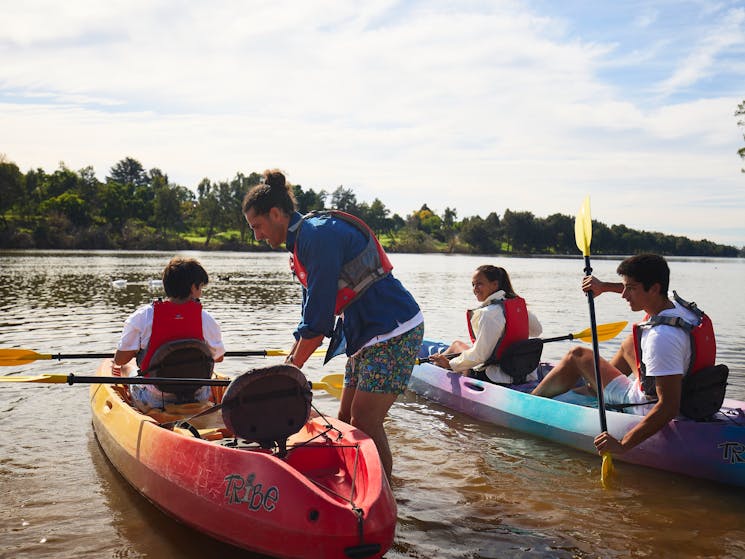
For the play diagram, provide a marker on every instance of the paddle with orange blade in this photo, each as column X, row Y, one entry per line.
column 12, row 357
column 604, row 332
column 330, row 383
column 583, row 236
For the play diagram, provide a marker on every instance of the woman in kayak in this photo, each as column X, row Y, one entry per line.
column 500, row 320
column 179, row 323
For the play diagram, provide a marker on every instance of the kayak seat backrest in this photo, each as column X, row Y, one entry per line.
column 267, row 405
column 702, row 393
column 190, row 358
column 521, row 358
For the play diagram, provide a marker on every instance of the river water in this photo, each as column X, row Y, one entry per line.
column 464, row 488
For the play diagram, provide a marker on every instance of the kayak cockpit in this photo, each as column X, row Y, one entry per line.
column 268, row 411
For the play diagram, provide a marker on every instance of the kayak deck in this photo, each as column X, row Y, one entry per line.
column 712, row 450
column 326, row 497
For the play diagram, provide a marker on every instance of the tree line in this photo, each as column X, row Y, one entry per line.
column 133, row 208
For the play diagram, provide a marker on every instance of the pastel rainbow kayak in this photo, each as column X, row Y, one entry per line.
column 327, row 497
column 713, row 450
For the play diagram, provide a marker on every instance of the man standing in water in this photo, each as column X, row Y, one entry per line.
column 344, row 272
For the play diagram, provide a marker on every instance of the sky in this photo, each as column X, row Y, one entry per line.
column 478, row 106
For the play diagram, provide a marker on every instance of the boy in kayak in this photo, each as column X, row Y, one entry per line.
column 152, row 326
column 501, row 319
column 666, row 351
column 344, row 272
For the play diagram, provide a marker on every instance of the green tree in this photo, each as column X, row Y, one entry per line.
column 216, row 206
column 33, row 193
column 239, row 186
column 89, row 186
column 345, row 199
column 557, row 234
column 168, row 202
column 450, row 227
column 11, row 185
column 114, row 203
column 136, row 189
column 428, row 221
column 209, row 207
column 519, row 230
column 61, row 181
column 71, row 206
column 481, row 236
column 128, row 171
column 309, row 200
column 377, row 217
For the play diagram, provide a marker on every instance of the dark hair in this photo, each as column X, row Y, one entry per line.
column 500, row 275
column 272, row 192
column 647, row 269
column 180, row 274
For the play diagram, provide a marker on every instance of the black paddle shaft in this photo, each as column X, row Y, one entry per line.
column 596, row 351
column 61, row 356
column 77, row 379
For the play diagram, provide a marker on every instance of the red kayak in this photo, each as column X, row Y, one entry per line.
column 319, row 492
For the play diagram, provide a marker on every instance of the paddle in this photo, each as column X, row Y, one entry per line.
column 583, row 236
column 605, row 332
column 329, row 383
column 333, row 384
column 9, row 357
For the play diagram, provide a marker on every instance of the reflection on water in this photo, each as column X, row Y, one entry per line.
column 464, row 488
column 144, row 531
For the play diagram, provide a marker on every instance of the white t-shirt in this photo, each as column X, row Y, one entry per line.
column 488, row 322
column 666, row 350
column 139, row 326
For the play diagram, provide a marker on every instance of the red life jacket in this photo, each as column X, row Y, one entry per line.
column 357, row 275
column 172, row 321
column 516, row 327
column 703, row 342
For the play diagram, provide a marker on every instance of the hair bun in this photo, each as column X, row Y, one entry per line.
column 275, row 179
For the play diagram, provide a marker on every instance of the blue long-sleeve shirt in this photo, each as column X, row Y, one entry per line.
column 324, row 245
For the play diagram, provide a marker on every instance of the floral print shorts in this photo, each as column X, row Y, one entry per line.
column 385, row 367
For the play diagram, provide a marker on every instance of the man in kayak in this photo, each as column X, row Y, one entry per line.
column 662, row 351
column 344, row 272
column 152, row 326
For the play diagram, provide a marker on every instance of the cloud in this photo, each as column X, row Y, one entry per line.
column 477, row 106
column 726, row 34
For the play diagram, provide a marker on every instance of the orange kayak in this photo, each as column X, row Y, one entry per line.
column 324, row 496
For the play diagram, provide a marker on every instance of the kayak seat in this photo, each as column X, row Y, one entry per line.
column 268, row 405
column 189, row 358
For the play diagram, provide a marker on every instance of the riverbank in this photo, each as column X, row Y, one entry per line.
column 57, row 233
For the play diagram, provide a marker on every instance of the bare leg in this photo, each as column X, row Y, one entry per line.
column 577, row 363
column 345, row 408
column 457, row 347
column 366, row 411
column 625, row 358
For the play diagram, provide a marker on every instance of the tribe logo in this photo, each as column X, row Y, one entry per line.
column 239, row 490
column 733, row 452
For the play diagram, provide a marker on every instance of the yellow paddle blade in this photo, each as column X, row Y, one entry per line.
column 605, row 332
column 10, row 357
column 583, row 228
column 333, row 384
column 606, row 470
column 47, row 379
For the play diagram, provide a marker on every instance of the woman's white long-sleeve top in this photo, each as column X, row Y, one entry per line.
column 488, row 322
